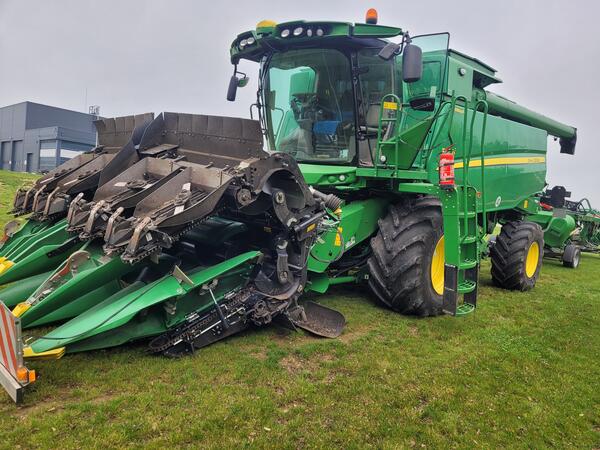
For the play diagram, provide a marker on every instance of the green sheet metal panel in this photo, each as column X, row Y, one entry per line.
column 515, row 159
column 123, row 306
column 358, row 222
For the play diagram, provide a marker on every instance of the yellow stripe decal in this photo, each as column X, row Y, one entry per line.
column 503, row 161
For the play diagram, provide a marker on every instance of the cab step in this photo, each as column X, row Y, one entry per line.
column 466, row 286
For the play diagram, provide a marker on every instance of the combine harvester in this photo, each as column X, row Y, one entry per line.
column 570, row 227
column 385, row 163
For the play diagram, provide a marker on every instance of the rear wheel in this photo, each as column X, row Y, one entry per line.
column 571, row 256
column 517, row 255
column 406, row 269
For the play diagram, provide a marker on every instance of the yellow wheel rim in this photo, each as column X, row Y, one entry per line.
column 532, row 260
column 437, row 267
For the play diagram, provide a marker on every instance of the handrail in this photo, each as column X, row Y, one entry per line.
column 396, row 100
column 467, row 163
column 450, row 114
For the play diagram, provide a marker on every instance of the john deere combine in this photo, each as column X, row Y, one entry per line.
column 386, row 161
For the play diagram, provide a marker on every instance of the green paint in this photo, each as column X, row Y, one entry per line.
column 119, row 309
column 557, row 230
column 16, row 293
column 358, row 222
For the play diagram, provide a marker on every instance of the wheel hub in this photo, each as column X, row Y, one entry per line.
column 437, row 267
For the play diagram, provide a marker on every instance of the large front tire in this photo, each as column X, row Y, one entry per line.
column 407, row 262
column 517, row 256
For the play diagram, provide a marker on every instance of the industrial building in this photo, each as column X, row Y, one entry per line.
column 36, row 138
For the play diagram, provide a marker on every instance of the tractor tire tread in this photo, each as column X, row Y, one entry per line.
column 400, row 256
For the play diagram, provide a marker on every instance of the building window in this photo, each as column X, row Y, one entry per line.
column 47, row 155
column 70, row 150
column 66, row 151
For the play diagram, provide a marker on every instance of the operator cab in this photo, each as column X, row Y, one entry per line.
column 322, row 87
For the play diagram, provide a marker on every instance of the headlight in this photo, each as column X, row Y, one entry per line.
column 320, row 32
column 250, row 41
column 243, row 43
column 298, row 31
column 285, row 33
column 309, row 32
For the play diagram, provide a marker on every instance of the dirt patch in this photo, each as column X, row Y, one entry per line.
column 261, row 355
column 326, row 357
column 348, row 337
column 288, row 338
column 50, row 406
column 293, row 364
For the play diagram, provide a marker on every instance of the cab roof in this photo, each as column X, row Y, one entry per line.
column 270, row 36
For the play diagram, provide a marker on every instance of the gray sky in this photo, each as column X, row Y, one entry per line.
column 136, row 56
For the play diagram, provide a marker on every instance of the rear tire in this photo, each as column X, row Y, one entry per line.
column 400, row 267
column 517, row 255
column 571, row 256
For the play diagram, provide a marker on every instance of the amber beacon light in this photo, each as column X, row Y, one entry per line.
column 371, row 16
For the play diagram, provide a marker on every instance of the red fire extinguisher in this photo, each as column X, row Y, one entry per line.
column 447, row 167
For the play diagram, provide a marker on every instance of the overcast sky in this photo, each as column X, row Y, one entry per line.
column 135, row 56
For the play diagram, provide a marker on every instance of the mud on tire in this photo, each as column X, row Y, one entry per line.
column 402, row 251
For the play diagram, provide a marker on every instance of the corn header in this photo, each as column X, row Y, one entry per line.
column 374, row 157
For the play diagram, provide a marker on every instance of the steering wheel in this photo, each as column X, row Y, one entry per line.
column 303, row 103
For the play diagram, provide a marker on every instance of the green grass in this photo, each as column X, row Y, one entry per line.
column 9, row 183
column 523, row 371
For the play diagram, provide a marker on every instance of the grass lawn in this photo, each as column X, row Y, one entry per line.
column 522, row 371
column 9, row 183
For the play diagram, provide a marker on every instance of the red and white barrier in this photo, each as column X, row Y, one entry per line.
column 14, row 376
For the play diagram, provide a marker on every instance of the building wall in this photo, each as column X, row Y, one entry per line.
column 28, row 131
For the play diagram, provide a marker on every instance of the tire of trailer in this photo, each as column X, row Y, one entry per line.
column 404, row 268
column 571, row 256
column 517, row 256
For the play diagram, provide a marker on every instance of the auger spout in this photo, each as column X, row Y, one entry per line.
column 504, row 107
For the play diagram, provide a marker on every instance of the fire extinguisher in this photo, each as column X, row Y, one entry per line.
column 446, row 166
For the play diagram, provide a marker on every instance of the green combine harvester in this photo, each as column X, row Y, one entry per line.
column 570, row 227
column 376, row 157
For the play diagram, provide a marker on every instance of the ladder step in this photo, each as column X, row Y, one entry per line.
column 464, row 309
column 469, row 215
column 467, row 264
column 469, row 239
column 464, row 287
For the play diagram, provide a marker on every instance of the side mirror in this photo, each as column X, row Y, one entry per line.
column 234, row 83
column 412, row 63
column 422, row 104
column 232, row 89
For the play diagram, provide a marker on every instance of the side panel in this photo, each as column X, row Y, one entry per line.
column 358, row 222
column 557, row 230
column 514, row 158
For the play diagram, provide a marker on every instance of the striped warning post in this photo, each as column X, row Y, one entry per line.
column 8, row 341
column 14, row 376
